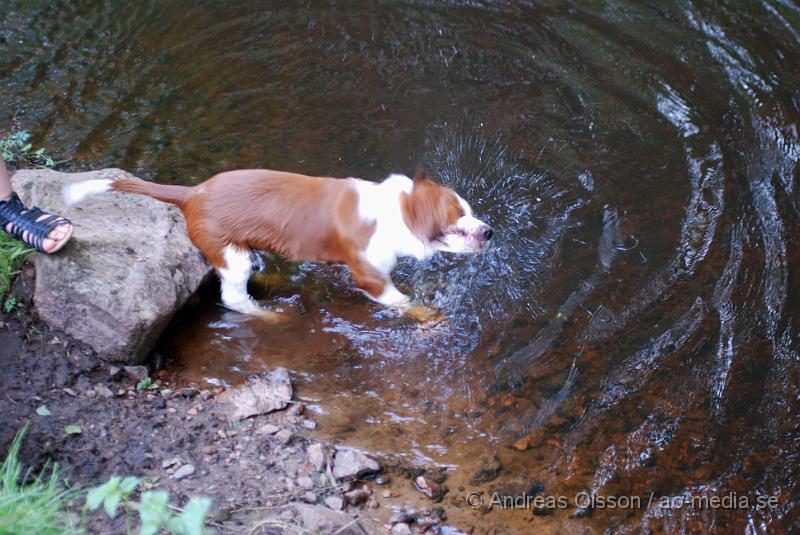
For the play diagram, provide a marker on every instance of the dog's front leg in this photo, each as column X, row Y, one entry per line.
column 375, row 284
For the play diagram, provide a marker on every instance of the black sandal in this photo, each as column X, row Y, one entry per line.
column 16, row 220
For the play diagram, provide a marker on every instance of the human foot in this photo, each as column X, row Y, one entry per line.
column 45, row 232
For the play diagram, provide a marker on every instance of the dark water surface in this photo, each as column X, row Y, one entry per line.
column 637, row 318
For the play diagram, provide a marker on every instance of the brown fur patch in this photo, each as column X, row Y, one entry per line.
column 430, row 208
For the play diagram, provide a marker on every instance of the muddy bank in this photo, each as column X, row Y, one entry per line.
column 263, row 473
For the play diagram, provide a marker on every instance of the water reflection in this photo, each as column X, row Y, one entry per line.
column 636, row 321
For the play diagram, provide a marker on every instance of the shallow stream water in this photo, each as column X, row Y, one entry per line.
column 637, row 317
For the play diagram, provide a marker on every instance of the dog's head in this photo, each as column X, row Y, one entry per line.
column 442, row 219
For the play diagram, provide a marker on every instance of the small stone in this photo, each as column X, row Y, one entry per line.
column 358, row 496
column 136, row 373
column 121, row 392
column 310, row 497
column 91, row 394
column 351, row 464
column 387, row 493
column 309, row 424
column 430, row 489
column 316, row 456
column 284, row 436
column 521, row 444
column 205, row 395
column 184, row 471
column 188, row 392
column 170, row 462
column 373, row 503
column 192, row 411
column 401, row 528
column 208, row 450
column 262, row 394
column 269, row 429
column 335, row 502
column 159, row 403
column 382, row 479
column 295, row 409
column 305, row 482
column 488, row 472
column 114, row 372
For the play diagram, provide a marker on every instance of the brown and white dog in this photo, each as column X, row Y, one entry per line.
column 362, row 224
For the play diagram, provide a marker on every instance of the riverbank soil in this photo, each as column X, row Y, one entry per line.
column 174, row 439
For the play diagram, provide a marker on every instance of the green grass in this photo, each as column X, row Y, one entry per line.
column 33, row 504
column 15, row 149
column 12, row 255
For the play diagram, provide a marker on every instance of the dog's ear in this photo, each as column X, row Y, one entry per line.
column 420, row 175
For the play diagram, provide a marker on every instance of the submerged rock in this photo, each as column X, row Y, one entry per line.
column 127, row 269
column 489, row 470
column 265, row 393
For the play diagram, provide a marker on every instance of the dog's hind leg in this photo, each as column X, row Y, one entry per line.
column 233, row 280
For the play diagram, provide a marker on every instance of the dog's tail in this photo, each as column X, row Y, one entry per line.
column 75, row 193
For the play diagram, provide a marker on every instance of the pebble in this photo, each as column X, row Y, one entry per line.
column 170, row 462
column 316, row 456
column 184, row 471
column 284, row 436
column 309, row 424
column 305, row 482
column 310, row 497
column 382, row 479
column 136, row 373
column 269, row 429
column 335, row 502
column 114, row 372
column 387, row 493
column 521, row 445
column 401, row 529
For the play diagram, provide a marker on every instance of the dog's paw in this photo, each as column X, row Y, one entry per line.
column 393, row 298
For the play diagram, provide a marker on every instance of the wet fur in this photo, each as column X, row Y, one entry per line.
column 361, row 224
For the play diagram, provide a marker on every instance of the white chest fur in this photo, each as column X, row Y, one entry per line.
column 392, row 238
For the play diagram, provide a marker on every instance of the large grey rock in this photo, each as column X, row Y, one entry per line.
column 127, row 269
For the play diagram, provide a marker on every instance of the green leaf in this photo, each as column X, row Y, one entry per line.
column 128, row 485
column 144, row 383
column 97, row 495
column 194, row 515
column 43, row 411
column 11, row 302
column 153, row 511
column 110, row 504
column 73, row 429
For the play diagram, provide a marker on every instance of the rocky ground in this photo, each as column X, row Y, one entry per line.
column 262, row 473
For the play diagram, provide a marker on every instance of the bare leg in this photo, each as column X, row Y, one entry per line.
column 57, row 237
column 5, row 182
